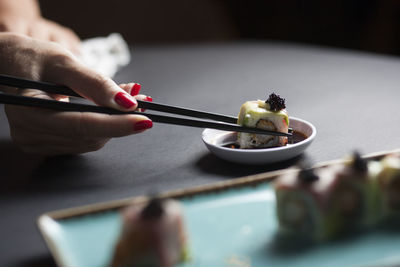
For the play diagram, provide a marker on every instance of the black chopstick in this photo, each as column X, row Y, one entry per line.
column 66, row 106
column 63, row 90
column 43, row 86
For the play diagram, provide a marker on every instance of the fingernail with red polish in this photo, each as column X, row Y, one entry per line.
column 124, row 100
column 148, row 99
column 143, row 125
column 136, row 89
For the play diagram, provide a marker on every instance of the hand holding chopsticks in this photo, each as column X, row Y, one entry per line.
column 47, row 132
column 51, row 88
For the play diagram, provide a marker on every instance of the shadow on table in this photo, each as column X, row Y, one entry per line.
column 214, row 165
column 15, row 166
column 25, row 172
column 42, row 261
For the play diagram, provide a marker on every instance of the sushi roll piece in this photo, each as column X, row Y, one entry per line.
column 352, row 204
column 268, row 115
column 298, row 206
column 388, row 181
column 153, row 235
column 374, row 193
column 325, row 203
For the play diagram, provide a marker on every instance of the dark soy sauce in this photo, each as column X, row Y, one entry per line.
column 297, row 137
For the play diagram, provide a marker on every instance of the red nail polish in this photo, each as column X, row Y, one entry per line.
column 136, row 89
column 148, row 99
column 124, row 100
column 143, row 125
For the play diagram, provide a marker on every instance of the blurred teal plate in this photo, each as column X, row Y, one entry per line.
column 229, row 227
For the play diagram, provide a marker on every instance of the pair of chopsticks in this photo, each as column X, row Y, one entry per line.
column 226, row 123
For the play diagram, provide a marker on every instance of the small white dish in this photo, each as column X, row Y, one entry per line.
column 216, row 139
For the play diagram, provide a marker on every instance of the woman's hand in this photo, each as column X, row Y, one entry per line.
column 50, row 132
column 23, row 17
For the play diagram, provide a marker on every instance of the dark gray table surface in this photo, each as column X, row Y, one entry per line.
column 352, row 98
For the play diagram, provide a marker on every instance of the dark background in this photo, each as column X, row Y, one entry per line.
column 351, row 97
column 357, row 24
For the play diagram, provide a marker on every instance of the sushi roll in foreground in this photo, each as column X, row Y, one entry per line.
column 298, row 208
column 352, row 202
column 152, row 235
column 389, row 185
column 324, row 203
column 268, row 115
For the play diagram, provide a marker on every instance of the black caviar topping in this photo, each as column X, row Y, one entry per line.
column 153, row 210
column 359, row 164
column 275, row 102
column 308, row 175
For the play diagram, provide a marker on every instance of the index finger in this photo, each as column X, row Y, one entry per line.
column 63, row 68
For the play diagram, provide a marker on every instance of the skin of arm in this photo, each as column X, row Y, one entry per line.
column 24, row 17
